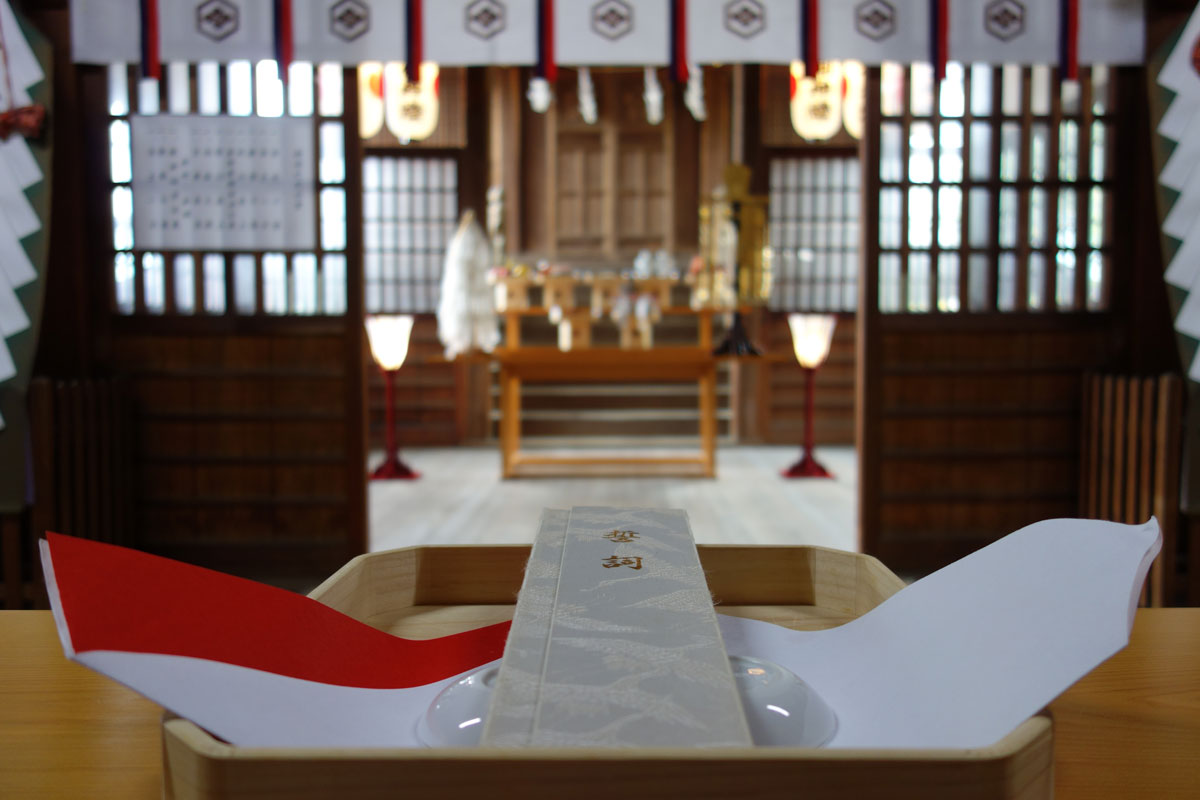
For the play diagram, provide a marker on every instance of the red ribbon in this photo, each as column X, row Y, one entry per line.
column 114, row 598
column 1069, row 39
column 811, row 9
column 939, row 36
column 416, row 42
column 284, row 40
column 679, row 65
column 547, row 67
column 151, row 62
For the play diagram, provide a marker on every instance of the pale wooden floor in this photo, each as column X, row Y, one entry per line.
column 460, row 499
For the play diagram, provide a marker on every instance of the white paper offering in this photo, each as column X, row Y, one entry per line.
column 957, row 660
column 962, row 657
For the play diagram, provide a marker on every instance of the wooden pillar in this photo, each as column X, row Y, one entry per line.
column 868, row 400
column 355, row 381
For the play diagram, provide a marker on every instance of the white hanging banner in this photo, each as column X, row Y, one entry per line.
column 16, row 154
column 347, row 31
column 743, row 31
column 15, row 207
column 1005, row 32
column 467, row 32
column 105, row 31
column 1178, row 117
column 1178, row 73
column 22, row 63
column 215, row 30
column 1186, row 209
column 1185, row 264
column 13, row 318
column 8, row 368
column 875, row 31
column 1187, row 321
column 16, row 269
column 1112, row 31
column 223, row 183
column 1180, row 168
column 612, row 32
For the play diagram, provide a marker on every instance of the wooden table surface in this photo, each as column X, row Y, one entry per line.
column 1130, row 729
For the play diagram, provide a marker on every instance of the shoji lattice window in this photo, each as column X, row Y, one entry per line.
column 288, row 282
column 410, row 209
column 813, row 230
column 994, row 190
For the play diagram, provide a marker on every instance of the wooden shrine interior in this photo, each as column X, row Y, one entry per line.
column 239, row 441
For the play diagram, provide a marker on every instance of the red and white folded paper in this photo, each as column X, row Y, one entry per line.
column 957, row 659
column 254, row 665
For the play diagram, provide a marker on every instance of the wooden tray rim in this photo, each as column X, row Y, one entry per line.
column 208, row 747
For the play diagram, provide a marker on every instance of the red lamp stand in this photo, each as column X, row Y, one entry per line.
column 808, row 466
column 392, row 467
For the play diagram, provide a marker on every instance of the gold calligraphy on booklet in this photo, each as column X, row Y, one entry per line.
column 633, row 562
column 622, row 536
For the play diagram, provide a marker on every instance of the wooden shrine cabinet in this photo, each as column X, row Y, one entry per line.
column 604, row 191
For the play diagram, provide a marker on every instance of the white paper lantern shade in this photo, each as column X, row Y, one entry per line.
column 370, row 99
column 825, row 103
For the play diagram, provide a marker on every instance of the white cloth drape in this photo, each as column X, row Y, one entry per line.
column 609, row 32
column 465, row 315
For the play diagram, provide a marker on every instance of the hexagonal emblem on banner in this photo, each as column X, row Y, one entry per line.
column 612, row 19
column 217, row 19
column 1004, row 19
column 875, row 19
column 349, row 19
column 485, row 18
column 745, row 18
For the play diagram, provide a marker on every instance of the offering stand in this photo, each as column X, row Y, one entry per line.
column 519, row 365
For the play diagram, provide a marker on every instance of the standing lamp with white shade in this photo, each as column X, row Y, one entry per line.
column 389, row 336
column 811, row 337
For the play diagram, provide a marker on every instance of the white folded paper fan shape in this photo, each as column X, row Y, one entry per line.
column 956, row 660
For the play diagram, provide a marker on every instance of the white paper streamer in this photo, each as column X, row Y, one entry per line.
column 18, row 171
column 962, row 657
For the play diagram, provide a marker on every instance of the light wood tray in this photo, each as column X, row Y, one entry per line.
column 423, row 592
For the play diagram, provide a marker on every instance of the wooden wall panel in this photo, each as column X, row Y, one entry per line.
column 977, row 425
column 244, row 443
